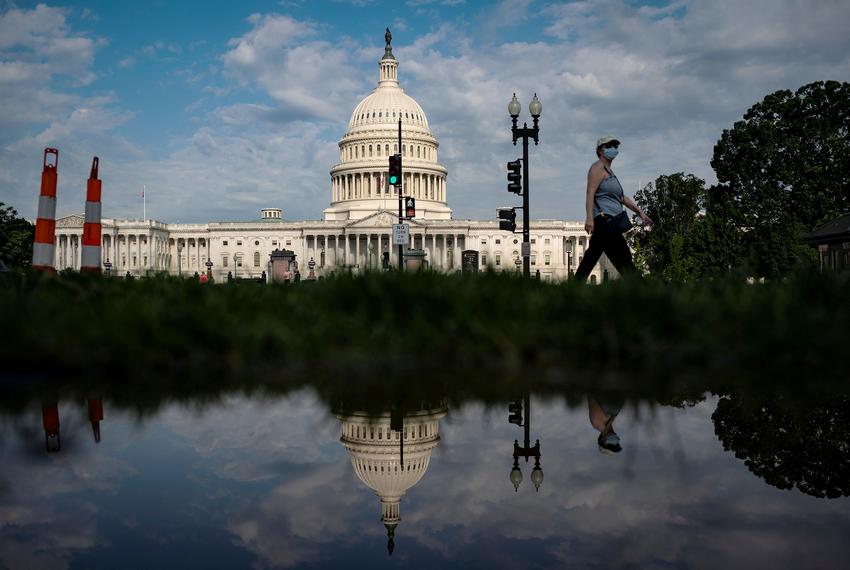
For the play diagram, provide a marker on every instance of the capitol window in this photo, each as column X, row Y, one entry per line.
column 484, row 259
column 256, row 243
column 547, row 258
column 370, row 151
column 224, row 261
column 239, row 242
column 498, row 260
column 546, row 241
column 224, row 243
column 256, row 259
column 498, row 241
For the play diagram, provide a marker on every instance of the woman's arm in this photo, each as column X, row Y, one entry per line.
column 629, row 203
column 594, row 179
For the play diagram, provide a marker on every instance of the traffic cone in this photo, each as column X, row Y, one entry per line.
column 90, row 258
column 44, row 245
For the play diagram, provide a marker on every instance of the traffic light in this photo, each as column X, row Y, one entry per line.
column 507, row 219
column 395, row 170
column 410, row 207
column 515, row 409
column 515, row 176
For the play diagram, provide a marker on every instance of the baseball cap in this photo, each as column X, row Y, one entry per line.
column 606, row 139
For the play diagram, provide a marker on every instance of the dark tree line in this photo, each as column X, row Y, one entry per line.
column 782, row 170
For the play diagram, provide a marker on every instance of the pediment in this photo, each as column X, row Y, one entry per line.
column 72, row 221
column 380, row 219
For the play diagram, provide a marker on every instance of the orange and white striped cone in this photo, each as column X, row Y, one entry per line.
column 44, row 245
column 90, row 256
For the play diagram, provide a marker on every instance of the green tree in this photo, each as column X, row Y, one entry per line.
column 784, row 169
column 16, row 237
column 673, row 202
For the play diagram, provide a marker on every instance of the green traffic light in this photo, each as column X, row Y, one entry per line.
column 393, row 179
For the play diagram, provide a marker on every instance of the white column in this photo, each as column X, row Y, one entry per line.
column 368, row 263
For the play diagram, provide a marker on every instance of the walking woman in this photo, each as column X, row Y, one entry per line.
column 606, row 218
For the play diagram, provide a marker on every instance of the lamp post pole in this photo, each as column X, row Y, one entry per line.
column 525, row 133
column 526, row 450
column 400, row 197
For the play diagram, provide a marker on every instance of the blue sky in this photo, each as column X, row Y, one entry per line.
column 222, row 108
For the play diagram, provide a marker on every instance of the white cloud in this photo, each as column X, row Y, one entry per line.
column 666, row 79
column 308, row 77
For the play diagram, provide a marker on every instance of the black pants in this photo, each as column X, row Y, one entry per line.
column 609, row 241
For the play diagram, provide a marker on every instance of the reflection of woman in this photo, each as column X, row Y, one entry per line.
column 602, row 416
column 605, row 200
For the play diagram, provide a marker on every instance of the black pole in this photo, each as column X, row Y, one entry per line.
column 526, row 241
column 527, row 423
column 400, row 199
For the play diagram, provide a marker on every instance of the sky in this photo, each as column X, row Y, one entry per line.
column 221, row 108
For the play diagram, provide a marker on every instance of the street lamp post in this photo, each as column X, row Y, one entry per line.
column 209, row 266
column 526, row 450
column 518, row 263
column 525, row 133
column 107, row 267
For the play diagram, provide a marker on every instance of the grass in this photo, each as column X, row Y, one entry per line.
column 402, row 337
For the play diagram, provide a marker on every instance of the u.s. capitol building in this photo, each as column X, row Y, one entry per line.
column 356, row 230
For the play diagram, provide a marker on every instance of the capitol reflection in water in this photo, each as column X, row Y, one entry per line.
column 390, row 453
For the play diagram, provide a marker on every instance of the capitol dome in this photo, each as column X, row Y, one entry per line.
column 388, row 461
column 359, row 181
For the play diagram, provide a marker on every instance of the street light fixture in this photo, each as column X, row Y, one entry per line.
column 526, row 450
column 107, row 267
column 535, row 108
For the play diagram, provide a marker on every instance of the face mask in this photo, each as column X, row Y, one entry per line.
column 610, row 153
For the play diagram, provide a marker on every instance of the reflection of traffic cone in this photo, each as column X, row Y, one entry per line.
column 90, row 259
column 43, row 246
column 50, row 421
column 95, row 416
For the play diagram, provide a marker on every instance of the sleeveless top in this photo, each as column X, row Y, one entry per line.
column 609, row 196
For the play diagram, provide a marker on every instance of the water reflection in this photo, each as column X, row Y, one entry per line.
column 390, row 453
column 265, row 482
column 526, row 450
column 789, row 444
column 50, row 423
column 602, row 416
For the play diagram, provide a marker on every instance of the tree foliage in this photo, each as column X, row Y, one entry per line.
column 784, row 169
column 683, row 243
column 16, row 237
column 800, row 444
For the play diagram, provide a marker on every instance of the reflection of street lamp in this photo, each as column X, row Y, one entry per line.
column 526, row 450
column 209, row 266
column 321, row 255
column 179, row 258
column 518, row 263
column 107, row 267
